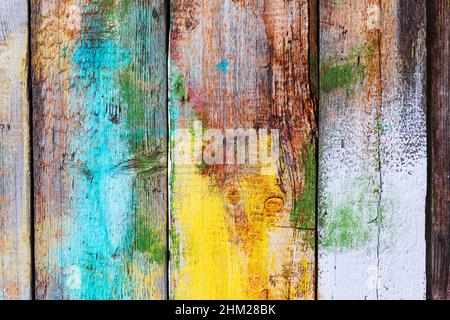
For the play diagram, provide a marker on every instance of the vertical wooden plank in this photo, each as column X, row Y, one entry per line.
column 372, row 180
column 15, row 243
column 99, row 74
column 439, row 102
column 242, row 227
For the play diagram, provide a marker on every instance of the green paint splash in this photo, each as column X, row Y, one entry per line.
column 346, row 230
column 339, row 73
column 352, row 224
column 341, row 76
column 303, row 214
column 179, row 90
column 175, row 248
column 149, row 242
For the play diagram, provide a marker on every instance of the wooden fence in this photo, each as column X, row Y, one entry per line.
column 224, row 149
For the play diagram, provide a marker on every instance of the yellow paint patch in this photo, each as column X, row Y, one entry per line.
column 148, row 277
column 235, row 240
column 207, row 252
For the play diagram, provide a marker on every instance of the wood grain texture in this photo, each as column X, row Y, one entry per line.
column 99, row 110
column 15, row 244
column 242, row 229
column 439, row 133
column 372, row 172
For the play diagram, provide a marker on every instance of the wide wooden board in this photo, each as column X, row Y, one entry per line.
column 99, row 117
column 373, row 160
column 242, row 227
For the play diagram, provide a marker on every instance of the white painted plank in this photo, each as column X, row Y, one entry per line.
column 372, row 183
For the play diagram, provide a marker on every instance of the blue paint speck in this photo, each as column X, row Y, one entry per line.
column 222, row 66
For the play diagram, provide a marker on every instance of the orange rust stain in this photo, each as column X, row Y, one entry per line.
column 12, row 291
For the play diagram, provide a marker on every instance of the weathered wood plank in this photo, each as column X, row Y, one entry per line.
column 15, row 227
column 242, row 227
column 99, row 74
column 372, row 181
column 439, row 124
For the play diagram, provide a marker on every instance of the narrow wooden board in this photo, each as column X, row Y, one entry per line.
column 439, row 133
column 242, row 230
column 372, row 171
column 99, row 104
column 15, row 227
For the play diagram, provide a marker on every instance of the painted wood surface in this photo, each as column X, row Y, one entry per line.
column 372, row 171
column 242, row 220
column 99, row 110
column 242, row 227
column 15, row 218
column 439, row 133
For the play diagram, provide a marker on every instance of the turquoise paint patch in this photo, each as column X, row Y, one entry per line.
column 98, row 241
column 385, row 127
column 222, row 66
